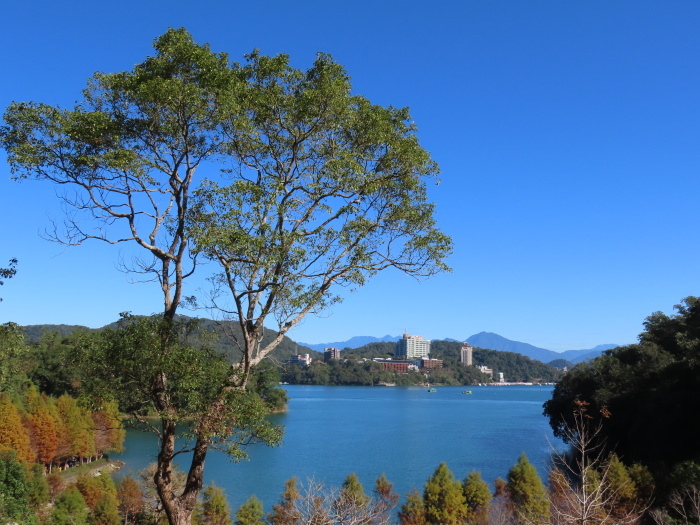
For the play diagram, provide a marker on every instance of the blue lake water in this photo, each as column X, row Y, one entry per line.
column 403, row 432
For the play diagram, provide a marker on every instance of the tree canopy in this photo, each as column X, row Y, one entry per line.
column 643, row 395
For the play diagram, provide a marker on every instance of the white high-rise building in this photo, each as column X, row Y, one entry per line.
column 412, row 347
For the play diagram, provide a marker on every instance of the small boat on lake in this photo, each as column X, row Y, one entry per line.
column 432, row 390
column 466, row 391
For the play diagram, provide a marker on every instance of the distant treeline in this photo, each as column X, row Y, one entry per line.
column 356, row 368
column 223, row 336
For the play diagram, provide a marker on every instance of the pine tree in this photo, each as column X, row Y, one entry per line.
column 105, row 511
column 251, row 512
column 527, row 493
column 477, row 496
column 352, row 501
column 38, row 486
column 70, row 509
column 215, row 509
column 14, row 491
column 443, row 498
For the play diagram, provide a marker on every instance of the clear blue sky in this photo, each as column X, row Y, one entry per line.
column 567, row 133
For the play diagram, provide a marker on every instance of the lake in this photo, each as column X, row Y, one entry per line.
column 403, row 432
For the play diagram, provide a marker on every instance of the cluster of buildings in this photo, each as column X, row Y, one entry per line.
column 412, row 353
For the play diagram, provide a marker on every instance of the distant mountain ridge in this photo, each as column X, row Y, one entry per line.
column 497, row 342
column 486, row 340
column 353, row 342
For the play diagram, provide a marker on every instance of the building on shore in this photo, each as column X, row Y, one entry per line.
column 330, row 354
column 403, row 366
column 299, row 359
column 486, row 370
column 466, row 354
column 412, row 347
column 430, row 364
column 399, row 366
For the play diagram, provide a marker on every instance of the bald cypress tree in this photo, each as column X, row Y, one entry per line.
column 413, row 511
column 443, row 498
column 287, row 512
column 13, row 435
column 477, row 497
column 527, row 493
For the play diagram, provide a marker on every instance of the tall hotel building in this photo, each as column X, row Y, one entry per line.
column 466, row 354
column 412, row 347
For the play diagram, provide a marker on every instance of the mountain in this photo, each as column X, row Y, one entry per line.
column 497, row 342
column 354, row 342
column 225, row 341
column 486, row 340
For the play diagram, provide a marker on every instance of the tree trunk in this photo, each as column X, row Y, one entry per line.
column 179, row 507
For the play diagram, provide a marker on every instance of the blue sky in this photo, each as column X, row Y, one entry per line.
column 566, row 132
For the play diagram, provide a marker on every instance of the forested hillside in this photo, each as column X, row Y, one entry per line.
column 644, row 398
column 515, row 367
column 227, row 333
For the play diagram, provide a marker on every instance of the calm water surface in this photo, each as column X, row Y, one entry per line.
column 404, row 432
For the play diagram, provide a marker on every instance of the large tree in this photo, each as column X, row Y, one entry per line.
column 326, row 189
column 309, row 188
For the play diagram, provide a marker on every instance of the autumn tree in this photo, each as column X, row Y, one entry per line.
column 386, row 499
column 319, row 190
column 92, row 488
column 286, row 512
column 130, row 497
column 13, row 436
column 79, row 427
column 500, row 511
column 109, row 431
column 43, row 431
column 413, row 510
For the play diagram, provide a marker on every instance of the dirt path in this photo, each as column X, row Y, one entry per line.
column 94, row 469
